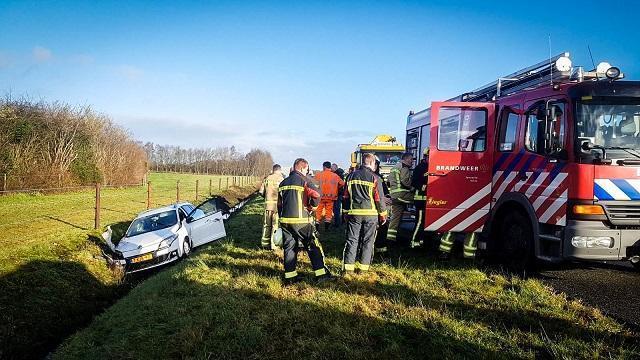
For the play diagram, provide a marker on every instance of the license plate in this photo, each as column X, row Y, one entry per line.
column 142, row 258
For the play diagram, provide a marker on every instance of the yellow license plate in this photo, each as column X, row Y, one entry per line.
column 142, row 258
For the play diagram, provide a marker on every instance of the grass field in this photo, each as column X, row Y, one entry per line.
column 227, row 302
column 52, row 275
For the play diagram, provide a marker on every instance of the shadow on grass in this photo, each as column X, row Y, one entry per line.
column 66, row 222
column 43, row 302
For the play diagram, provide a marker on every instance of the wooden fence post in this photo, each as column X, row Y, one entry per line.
column 219, row 184
column 148, row 195
column 96, row 224
column 4, row 182
column 178, row 191
column 210, row 181
column 227, row 182
column 197, row 183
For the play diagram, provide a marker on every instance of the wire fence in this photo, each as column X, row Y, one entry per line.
column 30, row 214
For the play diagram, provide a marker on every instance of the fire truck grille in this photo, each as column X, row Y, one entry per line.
column 623, row 213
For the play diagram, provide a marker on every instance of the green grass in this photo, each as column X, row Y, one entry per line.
column 53, row 278
column 227, row 302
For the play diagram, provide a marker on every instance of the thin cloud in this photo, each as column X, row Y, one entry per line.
column 41, row 55
column 129, row 72
column 81, row 59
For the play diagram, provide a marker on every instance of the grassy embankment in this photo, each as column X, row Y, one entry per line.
column 53, row 278
column 227, row 302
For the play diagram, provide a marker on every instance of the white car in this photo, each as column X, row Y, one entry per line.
column 161, row 236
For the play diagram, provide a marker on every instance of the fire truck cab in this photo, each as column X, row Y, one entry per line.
column 544, row 163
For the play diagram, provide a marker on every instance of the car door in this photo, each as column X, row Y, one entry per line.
column 460, row 158
column 205, row 223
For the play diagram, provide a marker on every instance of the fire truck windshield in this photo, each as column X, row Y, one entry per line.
column 388, row 158
column 612, row 123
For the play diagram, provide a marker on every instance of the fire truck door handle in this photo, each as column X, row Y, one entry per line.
column 437, row 174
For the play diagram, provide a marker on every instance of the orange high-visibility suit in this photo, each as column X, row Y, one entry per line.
column 329, row 184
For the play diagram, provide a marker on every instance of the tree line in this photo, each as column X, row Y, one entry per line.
column 219, row 160
column 51, row 144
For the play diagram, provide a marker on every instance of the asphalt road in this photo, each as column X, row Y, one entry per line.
column 613, row 288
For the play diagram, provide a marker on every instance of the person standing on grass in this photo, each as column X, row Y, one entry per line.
column 401, row 194
column 329, row 185
column 297, row 198
column 337, row 205
column 363, row 202
column 269, row 191
column 381, row 236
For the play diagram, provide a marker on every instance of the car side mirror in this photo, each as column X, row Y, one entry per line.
column 586, row 146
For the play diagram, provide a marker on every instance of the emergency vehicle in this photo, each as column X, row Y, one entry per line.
column 385, row 147
column 544, row 163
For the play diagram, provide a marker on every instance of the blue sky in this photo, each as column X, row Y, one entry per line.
column 308, row 79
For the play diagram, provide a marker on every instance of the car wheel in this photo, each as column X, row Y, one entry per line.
column 517, row 241
column 186, row 247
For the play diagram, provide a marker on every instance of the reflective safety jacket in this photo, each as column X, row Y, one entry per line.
column 269, row 190
column 419, row 181
column 297, row 197
column 329, row 184
column 400, row 182
column 363, row 194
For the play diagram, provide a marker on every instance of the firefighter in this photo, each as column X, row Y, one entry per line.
column 329, row 183
column 269, row 190
column 297, row 197
column 381, row 236
column 363, row 201
column 419, row 182
column 337, row 206
column 401, row 193
column 470, row 245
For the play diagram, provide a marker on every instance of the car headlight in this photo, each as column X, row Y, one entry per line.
column 166, row 243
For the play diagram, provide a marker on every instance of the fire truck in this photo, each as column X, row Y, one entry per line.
column 544, row 163
column 385, row 147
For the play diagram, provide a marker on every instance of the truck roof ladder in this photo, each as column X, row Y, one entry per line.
column 527, row 78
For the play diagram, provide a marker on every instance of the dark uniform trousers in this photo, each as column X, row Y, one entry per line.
column 419, row 235
column 308, row 236
column 361, row 236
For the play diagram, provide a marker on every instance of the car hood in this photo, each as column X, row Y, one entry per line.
column 146, row 239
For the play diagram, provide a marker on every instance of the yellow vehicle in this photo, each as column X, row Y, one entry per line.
column 384, row 147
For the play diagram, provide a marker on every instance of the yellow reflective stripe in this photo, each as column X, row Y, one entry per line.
column 320, row 272
column 393, row 231
column 294, row 220
column 373, row 203
column 363, row 212
column 384, row 213
column 271, row 201
column 300, row 205
column 291, row 187
column 349, row 267
column 415, row 233
column 419, row 197
column 397, row 190
column 362, row 267
column 361, row 182
column 290, row 274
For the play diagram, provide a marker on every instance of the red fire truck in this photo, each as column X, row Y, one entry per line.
column 544, row 163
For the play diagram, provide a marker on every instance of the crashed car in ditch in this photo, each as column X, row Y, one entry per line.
column 161, row 236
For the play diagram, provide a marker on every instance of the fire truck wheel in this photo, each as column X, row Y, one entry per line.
column 517, row 240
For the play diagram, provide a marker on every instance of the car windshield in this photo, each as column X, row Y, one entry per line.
column 153, row 222
column 609, row 122
column 388, row 158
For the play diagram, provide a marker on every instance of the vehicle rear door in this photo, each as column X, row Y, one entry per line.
column 460, row 158
column 205, row 223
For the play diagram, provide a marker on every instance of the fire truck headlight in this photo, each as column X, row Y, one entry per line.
column 563, row 64
column 589, row 242
column 612, row 72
